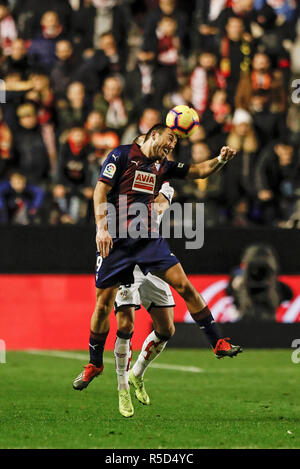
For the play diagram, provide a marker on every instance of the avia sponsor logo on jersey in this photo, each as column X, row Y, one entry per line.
column 144, row 182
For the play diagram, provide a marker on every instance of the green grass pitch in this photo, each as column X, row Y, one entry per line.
column 251, row 401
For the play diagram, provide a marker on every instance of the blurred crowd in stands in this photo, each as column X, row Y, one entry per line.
column 80, row 77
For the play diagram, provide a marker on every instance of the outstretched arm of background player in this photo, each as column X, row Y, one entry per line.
column 205, row 169
column 103, row 239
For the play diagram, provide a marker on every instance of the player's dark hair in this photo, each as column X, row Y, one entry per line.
column 158, row 127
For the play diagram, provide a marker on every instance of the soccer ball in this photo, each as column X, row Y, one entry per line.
column 183, row 120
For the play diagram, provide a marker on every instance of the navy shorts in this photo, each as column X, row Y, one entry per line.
column 151, row 255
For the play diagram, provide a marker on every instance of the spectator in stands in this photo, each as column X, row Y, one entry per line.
column 28, row 14
column 216, row 119
column 286, row 11
column 102, row 141
column 72, row 111
column 263, row 26
column 112, row 104
column 206, row 12
column 93, row 70
column 63, row 208
column 30, row 151
column 261, row 77
column 149, row 118
column 8, row 32
column 20, row 202
column 243, row 9
column 205, row 80
column 42, row 95
column 167, row 56
column 25, row 13
column 15, row 90
column 191, row 191
column 95, row 122
column 65, row 68
column 209, row 191
column 277, row 179
column 139, row 85
column 96, row 17
column 5, row 146
column 268, row 124
column 17, row 61
column 107, row 44
column 238, row 177
column 235, row 50
column 183, row 95
column 183, row 148
column 166, row 8
column 42, row 50
column 242, row 136
column 73, row 171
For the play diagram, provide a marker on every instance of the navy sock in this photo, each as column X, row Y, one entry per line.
column 164, row 338
column 96, row 348
column 124, row 335
column 206, row 322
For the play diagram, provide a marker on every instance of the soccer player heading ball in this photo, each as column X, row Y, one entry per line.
column 134, row 174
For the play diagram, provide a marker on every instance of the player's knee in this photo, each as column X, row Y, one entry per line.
column 166, row 332
column 102, row 309
column 186, row 290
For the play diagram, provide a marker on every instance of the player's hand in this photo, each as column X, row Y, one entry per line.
column 104, row 242
column 227, row 153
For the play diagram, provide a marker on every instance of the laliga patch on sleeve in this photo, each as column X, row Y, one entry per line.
column 110, row 170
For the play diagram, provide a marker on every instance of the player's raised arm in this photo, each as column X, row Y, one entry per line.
column 205, row 169
column 103, row 239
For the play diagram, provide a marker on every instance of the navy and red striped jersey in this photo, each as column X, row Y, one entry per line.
column 130, row 173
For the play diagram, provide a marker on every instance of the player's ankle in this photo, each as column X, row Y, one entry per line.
column 123, row 386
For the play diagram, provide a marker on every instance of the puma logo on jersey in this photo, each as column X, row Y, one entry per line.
column 144, row 182
column 135, row 162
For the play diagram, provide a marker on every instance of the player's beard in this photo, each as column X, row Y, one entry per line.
column 158, row 152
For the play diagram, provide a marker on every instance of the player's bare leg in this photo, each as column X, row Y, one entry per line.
column 163, row 320
column 153, row 345
column 123, row 351
column 163, row 324
column 123, row 355
column 98, row 334
column 176, row 277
